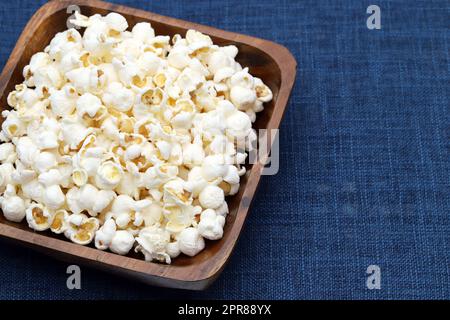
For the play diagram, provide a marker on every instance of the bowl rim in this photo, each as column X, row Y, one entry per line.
column 210, row 268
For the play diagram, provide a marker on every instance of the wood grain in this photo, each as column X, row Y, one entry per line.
column 273, row 63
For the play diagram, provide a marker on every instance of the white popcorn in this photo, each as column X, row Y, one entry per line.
column 86, row 79
column 7, row 153
column 63, row 102
column 33, row 190
column 121, row 242
column 173, row 249
column 118, row 134
column 238, row 125
column 80, row 177
column 211, row 225
column 190, row 242
column 48, row 76
column 13, row 207
column 47, row 139
column 45, row 161
column 211, row 197
column 74, row 132
column 53, row 197
column 243, row 98
column 49, row 178
column 6, row 171
column 13, row 126
column 116, row 22
column 118, row 97
column 22, row 175
column 108, row 175
column 143, row 32
column 152, row 243
column 179, row 57
column 88, row 104
column 105, row 234
column 189, row 79
column 26, row 150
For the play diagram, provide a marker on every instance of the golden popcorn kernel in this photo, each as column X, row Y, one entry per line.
column 160, row 80
column 143, row 193
column 185, row 196
column 83, row 235
column 143, row 131
column 13, row 129
column 57, row 222
column 150, row 49
column 226, row 187
column 46, row 93
column 85, row 59
column 167, row 129
column 28, row 74
column 163, row 169
column 171, row 101
column 138, row 82
column 146, row 98
column 127, row 125
column 114, row 33
column 261, row 91
column 70, row 38
column 38, row 215
column 133, row 139
column 159, row 45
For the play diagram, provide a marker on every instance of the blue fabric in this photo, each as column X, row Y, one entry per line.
column 364, row 175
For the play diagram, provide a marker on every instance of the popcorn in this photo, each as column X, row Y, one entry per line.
column 26, row 150
column 121, row 242
column 152, row 242
column 38, row 217
column 105, row 234
column 13, row 207
column 108, row 175
column 6, row 170
column 7, row 153
column 211, row 197
column 53, row 197
column 80, row 177
column 45, row 161
column 63, row 102
column 81, row 229
column 120, row 136
column 190, row 242
column 143, row 31
column 211, row 225
column 242, row 97
column 118, row 97
column 60, row 222
column 88, row 104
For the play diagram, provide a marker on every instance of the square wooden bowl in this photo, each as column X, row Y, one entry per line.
column 273, row 63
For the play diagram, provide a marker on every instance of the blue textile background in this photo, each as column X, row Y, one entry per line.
column 364, row 175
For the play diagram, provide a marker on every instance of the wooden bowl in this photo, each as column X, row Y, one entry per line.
column 273, row 63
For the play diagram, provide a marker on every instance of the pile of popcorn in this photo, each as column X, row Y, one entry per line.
column 127, row 139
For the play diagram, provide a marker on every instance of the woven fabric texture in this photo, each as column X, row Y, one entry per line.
column 364, row 173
